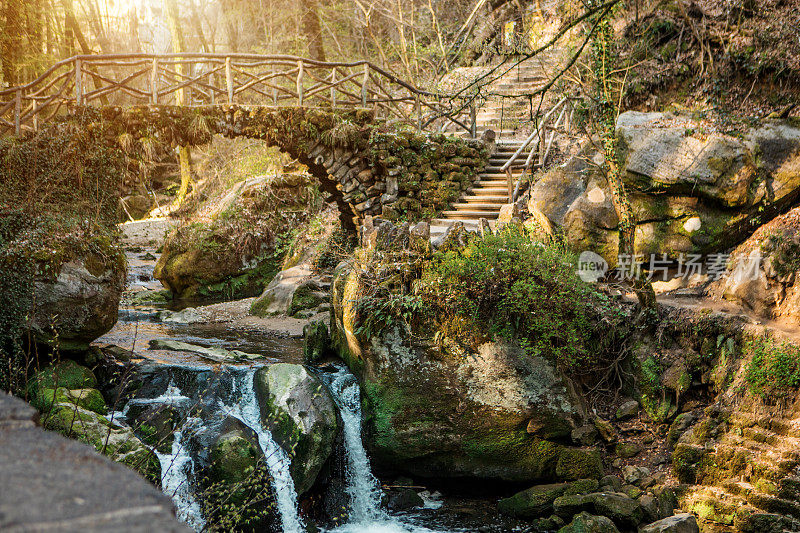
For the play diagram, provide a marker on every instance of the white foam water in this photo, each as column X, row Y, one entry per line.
column 177, row 466
column 366, row 514
column 277, row 460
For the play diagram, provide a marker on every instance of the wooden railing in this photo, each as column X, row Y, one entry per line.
column 197, row 79
column 540, row 143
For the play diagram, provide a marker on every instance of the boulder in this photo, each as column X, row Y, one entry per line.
column 679, row 523
column 623, row 510
column 691, row 191
column 434, row 408
column 627, row 410
column 80, row 303
column 299, row 411
column 404, row 499
column 118, row 443
column 553, row 193
column 316, row 342
column 587, row 523
column 532, row 503
column 278, row 295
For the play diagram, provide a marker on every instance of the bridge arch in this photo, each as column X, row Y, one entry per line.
column 367, row 166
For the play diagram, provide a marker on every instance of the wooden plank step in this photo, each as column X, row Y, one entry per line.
column 488, row 215
column 485, row 198
column 472, row 206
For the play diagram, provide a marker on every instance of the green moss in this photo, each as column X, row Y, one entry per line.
column 89, row 399
column 67, row 374
column 305, row 297
column 579, row 463
column 774, row 367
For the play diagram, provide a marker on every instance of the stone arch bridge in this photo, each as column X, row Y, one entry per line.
column 376, row 143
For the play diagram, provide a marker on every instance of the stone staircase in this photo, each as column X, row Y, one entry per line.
column 490, row 192
column 509, row 115
column 751, row 478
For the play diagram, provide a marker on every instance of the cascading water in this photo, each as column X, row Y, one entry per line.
column 175, row 469
column 366, row 515
column 277, row 460
column 177, row 465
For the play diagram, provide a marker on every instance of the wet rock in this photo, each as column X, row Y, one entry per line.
column 579, row 463
column 218, row 355
column 404, row 499
column 614, row 482
column 680, row 523
column 316, row 342
column 80, row 304
column 299, row 411
column 532, row 503
column 627, row 410
column 587, row 523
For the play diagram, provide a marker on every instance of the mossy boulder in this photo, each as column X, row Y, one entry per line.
column 316, row 342
column 80, row 303
column 233, row 246
column 587, row 523
column 233, row 457
column 537, row 501
column 434, row 408
column 67, row 374
column 299, row 411
column 90, row 399
column 118, row 443
column 579, row 463
column 623, row 510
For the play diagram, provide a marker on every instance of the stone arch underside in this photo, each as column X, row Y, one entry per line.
column 366, row 166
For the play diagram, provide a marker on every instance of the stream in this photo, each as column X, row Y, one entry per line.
column 199, row 393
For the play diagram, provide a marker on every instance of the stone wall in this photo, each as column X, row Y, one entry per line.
column 369, row 167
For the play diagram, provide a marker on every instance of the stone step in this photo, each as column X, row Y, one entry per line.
column 494, row 191
column 489, row 215
column 473, row 206
column 484, row 198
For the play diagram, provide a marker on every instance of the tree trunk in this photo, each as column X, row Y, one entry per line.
column 313, row 29
column 11, row 39
column 603, row 65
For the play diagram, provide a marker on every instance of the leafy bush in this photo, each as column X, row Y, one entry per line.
column 774, row 369
column 514, row 287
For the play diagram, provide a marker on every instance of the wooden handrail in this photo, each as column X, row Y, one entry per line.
column 537, row 134
column 359, row 83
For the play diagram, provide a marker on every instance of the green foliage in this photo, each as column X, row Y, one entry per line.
column 774, row 370
column 386, row 310
column 523, row 289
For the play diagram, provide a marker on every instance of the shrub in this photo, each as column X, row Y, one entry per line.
column 514, row 287
column 774, row 369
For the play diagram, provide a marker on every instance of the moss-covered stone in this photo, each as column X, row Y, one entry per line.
column 685, row 460
column 532, row 503
column 90, row 399
column 119, row 444
column 65, row 374
column 587, row 523
column 579, row 463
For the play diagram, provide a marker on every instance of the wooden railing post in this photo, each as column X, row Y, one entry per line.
column 35, row 114
column 473, row 120
column 229, row 79
column 333, row 87
column 78, row 82
column 154, row 82
column 364, row 85
column 418, row 105
column 300, row 83
column 18, row 112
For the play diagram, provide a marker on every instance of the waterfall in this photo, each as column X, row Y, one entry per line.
column 175, row 469
column 277, row 460
column 177, row 465
column 366, row 514
column 362, row 487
